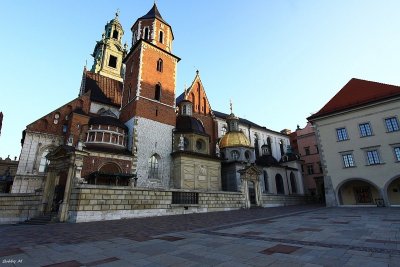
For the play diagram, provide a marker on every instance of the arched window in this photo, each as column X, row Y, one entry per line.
column 279, row 184
column 157, row 94
column 115, row 34
column 293, row 183
column 281, row 147
column 204, row 106
column 198, row 97
column 223, row 131
column 44, row 162
column 193, row 101
column 110, row 167
column 146, row 33
column 153, row 166
column 160, row 65
column 266, row 185
column 161, row 38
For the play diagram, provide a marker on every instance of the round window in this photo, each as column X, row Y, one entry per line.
column 199, row 144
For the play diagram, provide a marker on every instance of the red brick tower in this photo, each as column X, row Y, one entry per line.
column 148, row 101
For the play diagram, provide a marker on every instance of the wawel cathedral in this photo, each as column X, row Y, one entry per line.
column 129, row 129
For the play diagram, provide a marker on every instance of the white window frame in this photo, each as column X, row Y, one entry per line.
column 340, row 130
column 397, row 124
column 365, row 131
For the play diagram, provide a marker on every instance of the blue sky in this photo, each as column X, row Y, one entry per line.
column 279, row 61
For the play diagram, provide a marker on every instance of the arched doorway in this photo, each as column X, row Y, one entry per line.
column 280, row 189
column 357, row 192
column 393, row 192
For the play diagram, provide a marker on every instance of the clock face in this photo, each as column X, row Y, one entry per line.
column 199, row 144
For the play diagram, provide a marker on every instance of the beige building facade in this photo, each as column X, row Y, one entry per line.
column 359, row 140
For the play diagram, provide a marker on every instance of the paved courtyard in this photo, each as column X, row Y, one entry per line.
column 286, row 236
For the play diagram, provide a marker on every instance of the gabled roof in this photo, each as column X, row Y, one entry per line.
column 103, row 89
column 357, row 93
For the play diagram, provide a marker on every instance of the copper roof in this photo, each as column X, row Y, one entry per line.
column 103, row 89
column 357, row 93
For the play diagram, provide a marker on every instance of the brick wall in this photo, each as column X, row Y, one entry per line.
column 18, row 207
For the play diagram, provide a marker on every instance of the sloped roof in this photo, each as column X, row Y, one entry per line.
column 357, row 93
column 153, row 13
column 103, row 89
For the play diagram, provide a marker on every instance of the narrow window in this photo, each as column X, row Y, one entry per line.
column 115, row 34
column 392, row 125
column 341, row 134
column 373, row 157
column 320, row 167
column 112, row 62
column 397, row 153
column 161, row 37
column 307, row 150
column 160, row 65
column 348, row 160
column 153, row 167
column 365, row 129
column 235, row 155
column 146, row 33
column 157, row 95
column 281, row 147
column 44, row 162
column 310, row 169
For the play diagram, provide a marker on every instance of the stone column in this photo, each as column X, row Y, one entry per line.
column 257, row 190
column 245, row 191
column 63, row 212
column 48, row 190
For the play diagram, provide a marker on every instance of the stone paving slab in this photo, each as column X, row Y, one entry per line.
column 286, row 236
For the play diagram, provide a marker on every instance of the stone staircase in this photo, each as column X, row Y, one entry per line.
column 50, row 217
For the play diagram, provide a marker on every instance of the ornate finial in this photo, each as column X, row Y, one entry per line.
column 184, row 90
column 117, row 13
column 197, row 72
column 230, row 104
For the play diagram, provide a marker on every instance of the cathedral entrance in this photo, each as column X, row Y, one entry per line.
column 59, row 190
column 251, row 190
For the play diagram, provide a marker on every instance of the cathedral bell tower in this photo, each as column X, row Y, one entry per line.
column 109, row 52
column 148, row 101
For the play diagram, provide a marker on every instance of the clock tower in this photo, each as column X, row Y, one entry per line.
column 148, row 101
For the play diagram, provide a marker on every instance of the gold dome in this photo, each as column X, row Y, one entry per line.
column 232, row 139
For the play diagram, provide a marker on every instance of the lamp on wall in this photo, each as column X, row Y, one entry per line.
column 135, row 178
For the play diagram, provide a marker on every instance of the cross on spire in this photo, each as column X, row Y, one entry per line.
column 230, row 104
column 117, row 13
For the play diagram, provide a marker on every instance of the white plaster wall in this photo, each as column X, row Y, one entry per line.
column 27, row 178
column 330, row 148
column 153, row 138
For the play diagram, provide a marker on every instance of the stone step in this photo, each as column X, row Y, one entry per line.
column 42, row 219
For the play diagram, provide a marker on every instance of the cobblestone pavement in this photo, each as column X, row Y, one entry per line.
column 286, row 236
